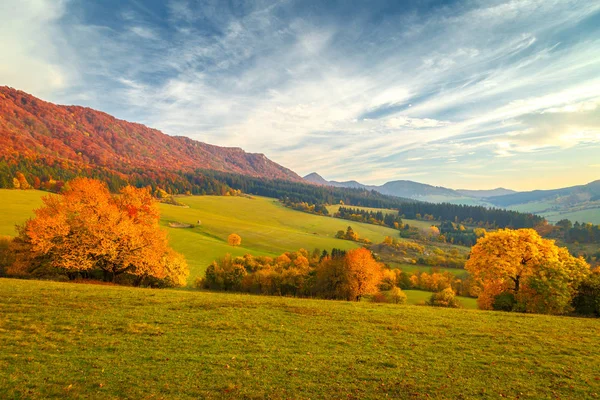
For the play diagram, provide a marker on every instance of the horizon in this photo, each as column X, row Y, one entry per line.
column 462, row 95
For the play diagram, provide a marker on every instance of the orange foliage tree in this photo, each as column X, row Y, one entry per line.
column 88, row 229
column 350, row 278
column 234, row 239
column 525, row 271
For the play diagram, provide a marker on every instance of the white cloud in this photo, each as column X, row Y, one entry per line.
column 32, row 53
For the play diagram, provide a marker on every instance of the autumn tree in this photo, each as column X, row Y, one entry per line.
column 88, row 229
column 234, row 240
column 350, row 278
column 535, row 274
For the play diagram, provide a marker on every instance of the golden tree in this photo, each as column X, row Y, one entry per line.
column 350, row 278
column 89, row 229
column 531, row 272
column 234, row 239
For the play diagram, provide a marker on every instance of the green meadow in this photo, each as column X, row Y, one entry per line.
column 266, row 226
column 65, row 340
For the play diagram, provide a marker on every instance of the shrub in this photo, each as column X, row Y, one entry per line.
column 587, row 298
column 379, row 298
column 505, row 301
column 445, row 298
column 6, row 255
column 397, row 296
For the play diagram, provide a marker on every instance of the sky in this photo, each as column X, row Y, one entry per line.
column 462, row 94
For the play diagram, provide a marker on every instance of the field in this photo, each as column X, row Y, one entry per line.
column 554, row 212
column 106, row 342
column 266, row 227
column 15, row 207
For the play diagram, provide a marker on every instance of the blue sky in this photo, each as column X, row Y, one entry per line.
column 473, row 94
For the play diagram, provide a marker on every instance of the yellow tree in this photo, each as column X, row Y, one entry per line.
column 527, row 271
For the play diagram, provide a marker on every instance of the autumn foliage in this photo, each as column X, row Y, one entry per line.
column 522, row 268
column 87, row 230
column 342, row 275
column 234, row 239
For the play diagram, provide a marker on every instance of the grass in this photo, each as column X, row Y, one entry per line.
column 16, row 206
column 105, row 342
column 266, row 226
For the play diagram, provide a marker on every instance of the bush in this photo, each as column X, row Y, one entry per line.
column 505, row 301
column 7, row 257
column 445, row 298
column 397, row 296
column 587, row 299
column 379, row 298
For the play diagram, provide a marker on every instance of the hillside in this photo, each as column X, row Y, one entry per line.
column 569, row 195
column 486, row 193
column 82, row 138
column 116, row 342
column 266, row 226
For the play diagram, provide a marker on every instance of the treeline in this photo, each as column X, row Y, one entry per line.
column 339, row 275
column 370, row 217
column 451, row 232
column 580, row 233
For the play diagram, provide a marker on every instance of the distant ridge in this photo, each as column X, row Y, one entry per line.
column 410, row 189
column 34, row 129
column 486, row 193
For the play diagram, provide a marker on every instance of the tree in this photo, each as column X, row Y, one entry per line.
column 541, row 276
column 234, row 239
column 88, row 229
column 363, row 273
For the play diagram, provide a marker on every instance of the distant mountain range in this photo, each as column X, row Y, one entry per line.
column 414, row 190
column 81, row 137
column 577, row 203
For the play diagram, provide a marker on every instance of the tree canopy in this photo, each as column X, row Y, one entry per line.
column 89, row 229
column 532, row 272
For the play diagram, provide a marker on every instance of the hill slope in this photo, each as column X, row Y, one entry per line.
column 116, row 342
column 34, row 129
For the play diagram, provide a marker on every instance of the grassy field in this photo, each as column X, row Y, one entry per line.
column 16, row 206
column 104, row 342
column 266, row 227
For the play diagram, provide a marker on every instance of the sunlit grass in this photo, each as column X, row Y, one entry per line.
column 63, row 340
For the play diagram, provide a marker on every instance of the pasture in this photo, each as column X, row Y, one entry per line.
column 108, row 342
column 266, row 226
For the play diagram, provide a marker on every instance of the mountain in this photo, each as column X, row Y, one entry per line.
column 485, row 193
column 416, row 190
column 316, row 179
column 81, row 137
column 573, row 194
column 405, row 189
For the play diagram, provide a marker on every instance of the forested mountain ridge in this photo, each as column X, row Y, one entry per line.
column 34, row 129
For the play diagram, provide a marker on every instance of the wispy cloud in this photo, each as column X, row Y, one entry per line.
column 373, row 93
